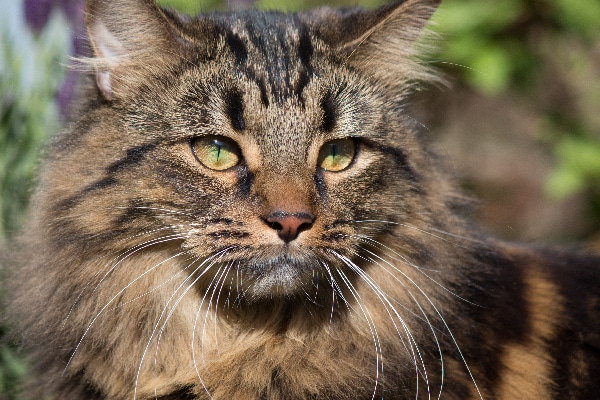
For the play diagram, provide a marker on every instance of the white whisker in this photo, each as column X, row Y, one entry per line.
column 156, row 329
column 104, row 308
column 437, row 311
column 165, row 210
column 417, row 303
column 384, row 299
column 370, row 322
column 470, row 239
column 404, row 260
column 123, row 254
column 195, row 324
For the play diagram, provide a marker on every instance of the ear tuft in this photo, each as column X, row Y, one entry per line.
column 385, row 41
column 130, row 40
column 108, row 48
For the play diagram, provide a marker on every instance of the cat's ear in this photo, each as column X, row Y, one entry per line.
column 383, row 41
column 130, row 39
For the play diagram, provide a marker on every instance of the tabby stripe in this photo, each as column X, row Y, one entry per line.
column 303, row 80
column 330, row 112
column 305, row 49
column 574, row 368
column 245, row 182
column 133, row 156
column 305, row 53
column 264, row 97
column 234, row 108
column 320, row 184
column 399, row 156
column 74, row 200
column 237, row 47
column 228, row 234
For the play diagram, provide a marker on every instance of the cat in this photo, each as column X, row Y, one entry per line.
column 243, row 208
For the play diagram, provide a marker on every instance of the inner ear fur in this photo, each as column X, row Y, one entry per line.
column 131, row 39
column 383, row 42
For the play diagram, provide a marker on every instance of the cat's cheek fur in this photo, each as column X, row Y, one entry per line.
column 144, row 274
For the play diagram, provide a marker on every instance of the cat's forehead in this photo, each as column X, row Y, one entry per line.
column 275, row 50
column 274, row 79
column 265, row 35
column 265, row 30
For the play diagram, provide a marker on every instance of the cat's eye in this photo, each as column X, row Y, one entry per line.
column 337, row 155
column 217, row 152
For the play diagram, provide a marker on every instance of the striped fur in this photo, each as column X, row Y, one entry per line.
column 144, row 274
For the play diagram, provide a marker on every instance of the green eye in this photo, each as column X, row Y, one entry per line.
column 337, row 155
column 217, row 152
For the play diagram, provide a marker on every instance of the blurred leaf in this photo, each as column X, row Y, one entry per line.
column 563, row 182
column 476, row 45
column 581, row 15
column 11, row 369
column 480, row 17
column 493, row 68
column 32, row 73
column 191, row 7
column 579, row 164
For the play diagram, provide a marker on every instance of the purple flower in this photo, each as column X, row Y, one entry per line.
column 37, row 14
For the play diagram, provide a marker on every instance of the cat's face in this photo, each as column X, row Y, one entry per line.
column 262, row 154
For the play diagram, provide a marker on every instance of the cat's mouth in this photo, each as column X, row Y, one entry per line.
column 286, row 274
column 263, row 271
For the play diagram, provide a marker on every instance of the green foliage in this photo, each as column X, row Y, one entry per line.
column 581, row 16
column 12, row 368
column 474, row 30
column 191, row 7
column 579, row 166
column 31, row 68
column 523, row 48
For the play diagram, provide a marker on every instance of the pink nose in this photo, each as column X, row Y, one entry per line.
column 289, row 225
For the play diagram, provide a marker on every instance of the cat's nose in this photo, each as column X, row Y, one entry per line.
column 289, row 225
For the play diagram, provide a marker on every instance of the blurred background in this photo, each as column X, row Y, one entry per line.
column 519, row 120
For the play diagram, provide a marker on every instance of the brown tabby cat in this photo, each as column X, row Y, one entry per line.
column 243, row 209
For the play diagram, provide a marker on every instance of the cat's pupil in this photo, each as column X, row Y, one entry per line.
column 337, row 155
column 216, row 152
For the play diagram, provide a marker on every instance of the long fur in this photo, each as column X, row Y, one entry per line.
column 143, row 273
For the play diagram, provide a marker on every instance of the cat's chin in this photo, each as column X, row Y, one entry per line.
column 281, row 276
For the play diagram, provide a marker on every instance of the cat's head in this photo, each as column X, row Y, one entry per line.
column 270, row 149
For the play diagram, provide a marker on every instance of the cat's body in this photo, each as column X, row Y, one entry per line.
column 243, row 210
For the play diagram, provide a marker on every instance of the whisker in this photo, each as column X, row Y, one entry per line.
column 125, row 255
column 160, row 285
column 409, row 334
column 333, row 285
column 165, row 210
column 208, row 260
column 437, row 311
column 470, row 239
column 404, row 260
column 193, row 344
column 110, row 302
column 383, row 297
column 371, row 324
column 220, row 282
column 104, row 277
